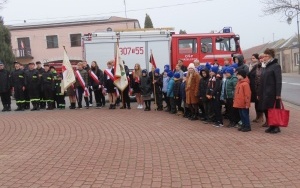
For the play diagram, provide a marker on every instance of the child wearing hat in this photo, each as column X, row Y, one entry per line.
column 177, row 95
column 214, row 94
column 165, row 81
column 229, row 89
column 242, row 99
column 157, row 88
column 145, row 86
column 183, row 96
column 170, row 92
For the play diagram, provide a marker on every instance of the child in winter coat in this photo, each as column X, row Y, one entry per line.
column 214, row 94
column 183, row 96
column 170, row 93
column 242, row 99
column 146, row 91
column 229, row 89
column 176, row 90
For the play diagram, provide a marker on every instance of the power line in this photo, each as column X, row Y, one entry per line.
column 116, row 12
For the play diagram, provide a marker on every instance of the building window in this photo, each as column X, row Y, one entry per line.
column 296, row 58
column 75, row 40
column 187, row 46
column 52, row 41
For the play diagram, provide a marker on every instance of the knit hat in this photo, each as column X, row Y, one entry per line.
column 144, row 71
column 208, row 66
column 215, row 69
column 242, row 72
column 46, row 65
column 167, row 68
column 177, row 75
column 234, row 65
column 157, row 70
column 191, row 66
column 170, row 74
column 224, row 69
column 1, row 63
column 184, row 74
column 229, row 70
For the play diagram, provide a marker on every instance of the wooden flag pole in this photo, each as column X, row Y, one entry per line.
column 154, row 90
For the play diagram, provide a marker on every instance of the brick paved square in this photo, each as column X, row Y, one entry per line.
column 133, row 148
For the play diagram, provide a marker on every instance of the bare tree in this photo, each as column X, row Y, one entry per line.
column 2, row 2
column 279, row 6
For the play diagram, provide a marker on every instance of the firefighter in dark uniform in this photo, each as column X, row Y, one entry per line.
column 5, row 88
column 33, row 86
column 41, row 70
column 47, row 86
column 26, row 96
column 54, row 73
column 60, row 95
column 18, row 80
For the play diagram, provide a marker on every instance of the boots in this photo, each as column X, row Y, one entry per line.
column 50, row 107
column 73, row 106
column 4, row 108
column 8, row 108
column 35, row 106
column 19, row 107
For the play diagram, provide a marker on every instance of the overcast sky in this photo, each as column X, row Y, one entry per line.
column 244, row 16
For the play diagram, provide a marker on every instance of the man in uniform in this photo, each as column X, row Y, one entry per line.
column 41, row 70
column 19, row 82
column 47, row 86
column 5, row 88
column 33, row 86
column 26, row 104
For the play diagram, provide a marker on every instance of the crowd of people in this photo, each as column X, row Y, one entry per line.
column 195, row 92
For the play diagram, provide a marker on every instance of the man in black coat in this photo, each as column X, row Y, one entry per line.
column 270, row 87
column 41, row 70
column 47, row 85
column 33, row 86
column 5, row 88
column 18, row 80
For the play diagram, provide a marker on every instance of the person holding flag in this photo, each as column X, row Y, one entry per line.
column 120, row 77
column 81, row 85
column 68, row 80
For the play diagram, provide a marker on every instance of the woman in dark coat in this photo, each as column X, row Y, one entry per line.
column 271, row 84
column 255, row 78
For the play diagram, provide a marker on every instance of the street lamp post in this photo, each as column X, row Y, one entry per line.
column 290, row 14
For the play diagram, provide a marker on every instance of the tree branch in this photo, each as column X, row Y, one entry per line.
column 279, row 6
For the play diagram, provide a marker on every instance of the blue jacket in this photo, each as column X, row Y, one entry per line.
column 165, row 84
column 170, row 90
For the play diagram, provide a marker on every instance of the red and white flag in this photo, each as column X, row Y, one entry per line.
column 152, row 61
column 120, row 78
column 68, row 73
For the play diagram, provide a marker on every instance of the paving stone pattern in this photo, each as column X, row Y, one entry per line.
column 133, row 148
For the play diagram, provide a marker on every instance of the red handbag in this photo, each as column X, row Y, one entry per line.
column 278, row 116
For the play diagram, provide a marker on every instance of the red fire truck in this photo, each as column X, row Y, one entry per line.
column 166, row 46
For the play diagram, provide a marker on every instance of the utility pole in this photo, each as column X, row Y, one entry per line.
column 125, row 12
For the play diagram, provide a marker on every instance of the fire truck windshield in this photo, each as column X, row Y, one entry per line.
column 226, row 44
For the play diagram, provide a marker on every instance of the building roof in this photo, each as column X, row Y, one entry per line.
column 69, row 22
column 261, row 48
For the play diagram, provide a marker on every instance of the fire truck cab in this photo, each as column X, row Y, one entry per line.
column 206, row 47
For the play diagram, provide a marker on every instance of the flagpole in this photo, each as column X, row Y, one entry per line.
column 153, row 71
